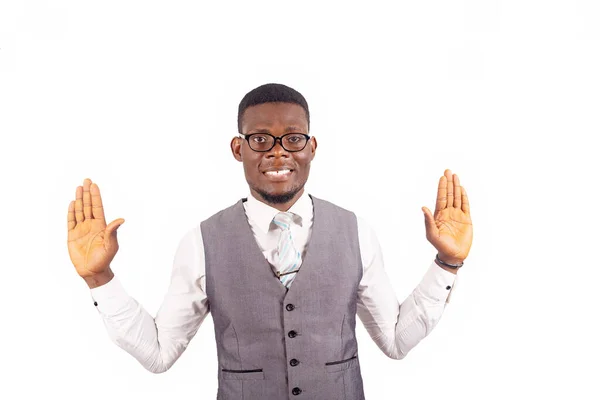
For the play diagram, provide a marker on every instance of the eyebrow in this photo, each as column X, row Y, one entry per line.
column 293, row 129
column 287, row 130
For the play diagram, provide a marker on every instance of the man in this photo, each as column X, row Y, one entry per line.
column 282, row 272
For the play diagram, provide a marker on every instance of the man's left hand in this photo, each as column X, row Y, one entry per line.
column 450, row 229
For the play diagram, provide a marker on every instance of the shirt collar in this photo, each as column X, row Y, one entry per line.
column 262, row 214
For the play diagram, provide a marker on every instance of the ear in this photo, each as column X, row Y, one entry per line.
column 313, row 147
column 236, row 148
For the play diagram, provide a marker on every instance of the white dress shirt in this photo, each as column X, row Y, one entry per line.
column 158, row 342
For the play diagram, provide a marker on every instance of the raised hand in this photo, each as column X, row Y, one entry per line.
column 92, row 244
column 450, row 229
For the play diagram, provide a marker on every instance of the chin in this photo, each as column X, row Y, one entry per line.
column 278, row 196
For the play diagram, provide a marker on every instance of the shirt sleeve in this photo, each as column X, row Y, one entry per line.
column 397, row 328
column 158, row 342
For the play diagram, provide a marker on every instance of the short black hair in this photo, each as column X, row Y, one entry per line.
column 271, row 93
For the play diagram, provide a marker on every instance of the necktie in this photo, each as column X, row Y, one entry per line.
column 288, row 258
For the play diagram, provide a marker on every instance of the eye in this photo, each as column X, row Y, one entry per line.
column 259, row 138
column 294, row 138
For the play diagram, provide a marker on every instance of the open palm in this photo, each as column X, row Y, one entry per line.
column 92, row 244
column 450, row 229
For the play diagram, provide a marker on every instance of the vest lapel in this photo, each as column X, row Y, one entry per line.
column 315, row 237
column 265, row 268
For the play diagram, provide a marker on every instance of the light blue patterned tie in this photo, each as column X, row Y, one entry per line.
column 288, row 258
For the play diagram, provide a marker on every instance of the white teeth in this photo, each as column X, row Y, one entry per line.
column 280, row 172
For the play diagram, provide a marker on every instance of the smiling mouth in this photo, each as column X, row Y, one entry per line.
column 278, row 175
column 279, row 172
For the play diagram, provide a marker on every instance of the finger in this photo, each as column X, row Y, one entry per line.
column 113, row 226
column 71, row 216
column 450, row 188
column 431, row 229
column 465, row 202
column 79, row 204
column 440, row 202
column 97, row 208
column 457, row 192
column 87, row 200
column 110, row 239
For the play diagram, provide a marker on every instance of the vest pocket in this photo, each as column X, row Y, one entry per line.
column 242, row 373
column 341, row 365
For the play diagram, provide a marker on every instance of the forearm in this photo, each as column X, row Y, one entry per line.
column 134, row 330
column 416, row 320
column 422, row 310
column 397, row 328
column 158, row 342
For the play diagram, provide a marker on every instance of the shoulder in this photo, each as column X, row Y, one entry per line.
column 365, row 231
column 367, row 240
column 330, row 207
column 362, row 223
column 224, row 214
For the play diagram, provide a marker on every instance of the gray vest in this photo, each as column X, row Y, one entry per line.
column 274, row 343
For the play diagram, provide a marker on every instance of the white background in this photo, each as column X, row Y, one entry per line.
column 142, row 98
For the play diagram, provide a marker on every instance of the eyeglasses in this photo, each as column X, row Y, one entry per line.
column 265, row 142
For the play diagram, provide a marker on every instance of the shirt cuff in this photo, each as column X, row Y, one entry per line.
column 437, row 284
column 110, row 298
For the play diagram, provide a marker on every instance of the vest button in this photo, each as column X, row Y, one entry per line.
column 294, row 362
column 296, row 391
column 289, row 307
column 292, row 334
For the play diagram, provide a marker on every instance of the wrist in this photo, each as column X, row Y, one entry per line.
column 449, row 269
column 99, row 279
column 449, row 260
column 448, row 263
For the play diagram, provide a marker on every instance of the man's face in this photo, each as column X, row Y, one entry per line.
column 282, row 190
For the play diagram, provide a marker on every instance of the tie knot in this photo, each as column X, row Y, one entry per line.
column 283, row 220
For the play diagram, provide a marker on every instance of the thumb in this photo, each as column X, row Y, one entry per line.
column 430, row 227
column 111, row 229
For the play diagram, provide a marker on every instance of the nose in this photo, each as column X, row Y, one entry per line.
column 277, row 150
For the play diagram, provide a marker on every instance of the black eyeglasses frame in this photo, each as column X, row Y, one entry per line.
column 275, row 139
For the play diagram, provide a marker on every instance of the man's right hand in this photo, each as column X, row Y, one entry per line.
column 92, row 244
